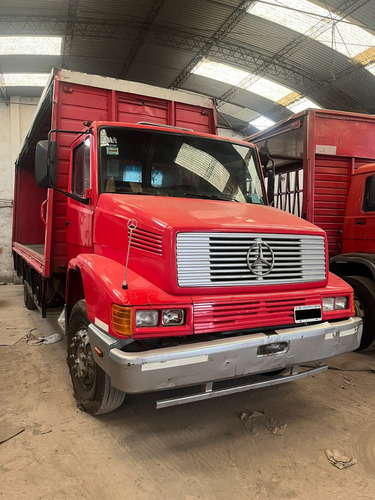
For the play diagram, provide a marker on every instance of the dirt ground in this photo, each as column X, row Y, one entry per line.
column 196, row 451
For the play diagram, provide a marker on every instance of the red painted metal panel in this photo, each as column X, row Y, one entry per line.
column 332, row 177
column 134, row 109
column 195, row 118
column 34, row 259
column 217, row 314
column 28, row 227
column 75, row 104
column 249, row 313
column 351, row 134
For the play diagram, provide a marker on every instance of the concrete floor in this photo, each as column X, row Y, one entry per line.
column 197, row 451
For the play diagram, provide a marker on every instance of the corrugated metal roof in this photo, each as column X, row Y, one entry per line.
column 160, row 41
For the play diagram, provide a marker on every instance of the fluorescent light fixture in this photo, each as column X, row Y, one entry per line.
column 302, row 104
column 25, row 79
column 262, row 122
column 317, row 23
column 242, row 79
column 30, row 45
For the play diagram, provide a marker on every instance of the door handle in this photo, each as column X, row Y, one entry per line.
column 67, row 223
column 360, row 222
column 43, row 212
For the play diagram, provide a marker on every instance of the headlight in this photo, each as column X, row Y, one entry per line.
column 328, row 304
column 335, row 303
column 173, row 317
column 147, row 317
column 341, row 302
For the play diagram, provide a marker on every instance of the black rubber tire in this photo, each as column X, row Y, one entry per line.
column 27, row 298
column 92, row 386
column 364, row 296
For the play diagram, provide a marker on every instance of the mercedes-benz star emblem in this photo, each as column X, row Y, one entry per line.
column 256, row 261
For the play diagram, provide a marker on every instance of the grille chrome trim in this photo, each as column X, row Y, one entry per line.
column 219, row 259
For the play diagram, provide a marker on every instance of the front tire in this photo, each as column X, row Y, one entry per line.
column 92, row 386
column 364, row 303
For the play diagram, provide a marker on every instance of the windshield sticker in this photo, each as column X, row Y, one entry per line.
column 112, row 150
column 105, row 140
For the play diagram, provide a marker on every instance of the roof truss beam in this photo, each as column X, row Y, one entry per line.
column 214, row 47
column 141, row 35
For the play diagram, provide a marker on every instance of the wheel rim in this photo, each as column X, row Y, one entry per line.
column 359, row 309
column 82, row 361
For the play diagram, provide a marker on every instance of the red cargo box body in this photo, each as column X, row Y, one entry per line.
column 316, row 152
column 68, row 101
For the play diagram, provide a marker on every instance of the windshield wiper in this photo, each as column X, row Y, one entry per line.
column 209, row 196
column 136, row 192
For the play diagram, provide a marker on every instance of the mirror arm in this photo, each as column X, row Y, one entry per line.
column 271, row 183
column 85, row 201
column 57, row 131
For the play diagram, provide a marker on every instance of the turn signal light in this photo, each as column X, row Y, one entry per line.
column 122, row 320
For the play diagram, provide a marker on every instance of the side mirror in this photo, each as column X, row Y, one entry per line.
column 264, row 157
column 46, row 164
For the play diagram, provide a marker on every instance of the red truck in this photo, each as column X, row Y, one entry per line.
column 156, row 235
column 324, row 172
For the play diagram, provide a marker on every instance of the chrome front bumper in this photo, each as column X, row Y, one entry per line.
column 210, row 361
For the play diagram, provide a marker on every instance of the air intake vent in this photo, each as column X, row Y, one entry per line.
column 243, row 259
column 147, row 241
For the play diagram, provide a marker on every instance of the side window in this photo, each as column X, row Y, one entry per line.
column 369, row 198
column 81, row 168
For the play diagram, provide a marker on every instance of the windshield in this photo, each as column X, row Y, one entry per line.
column 169, row 164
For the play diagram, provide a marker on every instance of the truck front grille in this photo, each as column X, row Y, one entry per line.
column 246, row 259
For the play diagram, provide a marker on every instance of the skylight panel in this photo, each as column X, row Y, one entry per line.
column 30, row 45
column 268, row 89
column 371, row 68
column 242, row 79
column 220, row 72
column 302, row 104
column 262, row 122
column 317, row 23
column 25, row 79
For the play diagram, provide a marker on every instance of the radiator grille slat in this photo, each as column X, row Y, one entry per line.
column 221, row 259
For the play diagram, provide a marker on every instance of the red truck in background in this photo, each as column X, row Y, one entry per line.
column 156, row 235
column 324, row 172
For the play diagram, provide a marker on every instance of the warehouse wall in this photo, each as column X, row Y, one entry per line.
column 15, row 119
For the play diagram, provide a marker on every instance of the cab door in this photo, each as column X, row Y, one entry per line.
column 79, row 212
column 359, row 227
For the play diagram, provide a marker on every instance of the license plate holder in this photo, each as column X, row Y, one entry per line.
column 308, row 314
